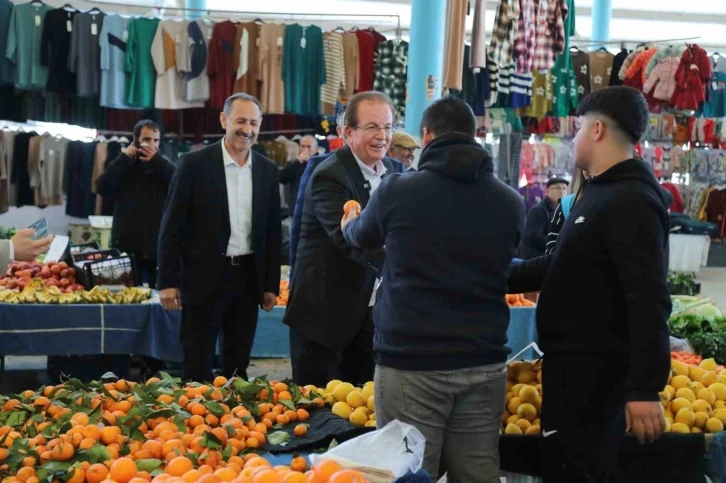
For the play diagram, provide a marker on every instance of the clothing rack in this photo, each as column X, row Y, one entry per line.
column 289, row 15
column 104, row 132
column 624, row 41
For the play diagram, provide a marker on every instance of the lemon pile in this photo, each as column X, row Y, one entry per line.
column 694, row 400
column 356, row 404
column 523, row 403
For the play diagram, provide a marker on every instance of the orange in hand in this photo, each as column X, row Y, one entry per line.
column 350, row 205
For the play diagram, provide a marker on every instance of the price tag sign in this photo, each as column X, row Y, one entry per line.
column 69, row 26
column 125, row 35
column 279, row 41
column 94, row 29
column 37, row 20
column 303, row 42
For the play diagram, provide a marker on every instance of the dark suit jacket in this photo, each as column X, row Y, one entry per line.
column 195, row 229
column 332, row 282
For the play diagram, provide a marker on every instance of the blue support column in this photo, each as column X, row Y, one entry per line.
column 200, row 4
column 425, row 59
column 601, row 15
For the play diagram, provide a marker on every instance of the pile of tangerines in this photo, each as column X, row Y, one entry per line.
column 116, row 431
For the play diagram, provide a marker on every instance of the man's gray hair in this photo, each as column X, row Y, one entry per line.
column 240, row 96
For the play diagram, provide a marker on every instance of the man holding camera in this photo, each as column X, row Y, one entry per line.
column 138, row 180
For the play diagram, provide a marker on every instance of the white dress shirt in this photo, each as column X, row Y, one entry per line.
column 374, row 177
column 239, row 199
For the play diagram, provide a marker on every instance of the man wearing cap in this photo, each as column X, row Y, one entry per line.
column 602, row 314
column 539, row 217
column 403, row 147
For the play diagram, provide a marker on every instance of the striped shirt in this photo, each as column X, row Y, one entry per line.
column 334, row 71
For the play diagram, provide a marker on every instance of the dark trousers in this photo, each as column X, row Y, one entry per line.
column 314, row 364
column 232, row 308
column 585, row 408
column 145, row 266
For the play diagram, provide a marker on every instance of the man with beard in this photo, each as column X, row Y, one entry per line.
column 291, row 174
column 611, row 257
column 403, row 147
column 219, row 247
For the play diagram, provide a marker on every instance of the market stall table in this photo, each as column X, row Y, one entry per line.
column 149, row 330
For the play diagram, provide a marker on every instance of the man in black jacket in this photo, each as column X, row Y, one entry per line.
column 537, row 226
column 291, row 174
column 332, row 290
column 441, row 319
column 604, row 304
column 220, row 243
column 138, row 181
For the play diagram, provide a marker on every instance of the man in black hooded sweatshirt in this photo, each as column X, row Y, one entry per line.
column 604, row 305
column 450, row 231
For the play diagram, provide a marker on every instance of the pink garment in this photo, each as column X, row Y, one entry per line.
column 663, row 77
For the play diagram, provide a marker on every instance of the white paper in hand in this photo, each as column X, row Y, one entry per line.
column 57, row 248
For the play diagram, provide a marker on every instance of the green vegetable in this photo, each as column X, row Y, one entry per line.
column 710, row 345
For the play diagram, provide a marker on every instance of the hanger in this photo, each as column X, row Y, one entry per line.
column 95, row 10
column 339, row 29
column 602, row 49
column 69, row 8
column 354, row 29
column 37, row 3
column 259, row 21
column 124, row 139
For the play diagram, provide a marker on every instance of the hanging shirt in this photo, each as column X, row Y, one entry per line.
column 366, row 59
column 23, row 45
column 113, row 53
column 391, row 72
column 549, row 32
column 618, row 61
column 219, row 66
column 7, row 70
column 191, row 59
column 170, row 86
column 505, row 32
column 716, row 105
column 244, row 55
column 55, row 46
column 52, row 165
column 601, row 66
column 334, row 71
column 581, row 65
column 269, row 70
column 542, row 97
column 524, row 44
column 303, row 69
column 352, row 65
column 85, row 57
column 141, row 83
column 564, row 86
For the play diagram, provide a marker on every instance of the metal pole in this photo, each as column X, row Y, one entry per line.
column 601, row 15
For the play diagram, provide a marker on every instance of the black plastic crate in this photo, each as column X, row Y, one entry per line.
column 111, row 271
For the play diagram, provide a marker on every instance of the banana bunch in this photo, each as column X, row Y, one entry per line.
column 37, row 293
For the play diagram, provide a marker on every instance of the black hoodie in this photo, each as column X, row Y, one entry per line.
column 604, row 290
column 450, row 230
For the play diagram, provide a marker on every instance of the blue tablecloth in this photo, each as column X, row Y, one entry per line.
column 149, row 330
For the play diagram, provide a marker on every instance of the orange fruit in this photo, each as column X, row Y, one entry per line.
column 324, row 469
column 225, row 474
column 302, row 415
column 258, row 436
column 192, row 476
column 350, row 205
column 42, row 401
column 137, row 480
column 78, row 476
column 266, row 476
column 220, row 381
column 24, row 473
column 93, row 432
column 96, row 473
column 123, row 470
column 301, row 430
column 175, row 446
column 210, row 478
column 292, row 415
column 63, row 452
column 284, row 396
column 299, row 464
column 153, row 447
column 280, row 386
column 110, row 434
column 283, row 419
column 318, row 402
column 179, row 466
column 294, row 477
column 256, row 462
column 87, row 443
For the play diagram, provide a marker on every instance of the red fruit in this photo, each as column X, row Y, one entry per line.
column 55, row 270
column 71, row 272
column 12, row 284
column 64, row 273
column 63, row 265
column 64, row 282
column 51, row 282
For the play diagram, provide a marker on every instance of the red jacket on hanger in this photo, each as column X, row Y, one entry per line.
column 694, row 71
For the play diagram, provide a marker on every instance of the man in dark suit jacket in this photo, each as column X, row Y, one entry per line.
column 220, row 243
column 331, row 330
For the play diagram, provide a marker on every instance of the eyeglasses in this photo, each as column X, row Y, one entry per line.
column 388, row 130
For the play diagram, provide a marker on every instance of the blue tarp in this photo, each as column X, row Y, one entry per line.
column 149, row 330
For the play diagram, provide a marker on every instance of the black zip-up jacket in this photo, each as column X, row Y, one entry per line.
column 139, row 190
column 603, row 291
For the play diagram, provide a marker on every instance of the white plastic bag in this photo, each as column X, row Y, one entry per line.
column 397, row 448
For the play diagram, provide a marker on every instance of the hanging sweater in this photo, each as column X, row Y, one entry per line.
column 663, row 77
column 694, row 71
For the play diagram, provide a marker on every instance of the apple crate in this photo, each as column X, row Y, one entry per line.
column 112, row 271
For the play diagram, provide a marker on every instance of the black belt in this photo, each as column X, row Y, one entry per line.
column 240, row 260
